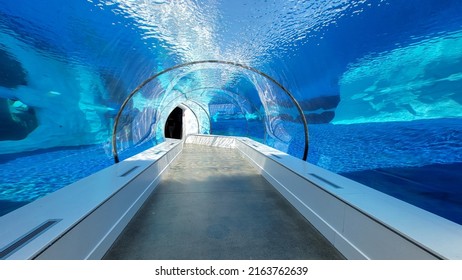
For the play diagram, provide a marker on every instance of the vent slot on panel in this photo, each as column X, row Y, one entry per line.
column 129, row 171
column 325, row 181
column 28, row 237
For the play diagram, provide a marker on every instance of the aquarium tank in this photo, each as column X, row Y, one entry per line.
column 369, row 89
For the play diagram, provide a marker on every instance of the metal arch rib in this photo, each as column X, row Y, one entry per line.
column 124, row 104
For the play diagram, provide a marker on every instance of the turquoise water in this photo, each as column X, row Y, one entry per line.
column 379, row 83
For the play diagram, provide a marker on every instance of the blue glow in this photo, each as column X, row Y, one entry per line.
column 378, row 81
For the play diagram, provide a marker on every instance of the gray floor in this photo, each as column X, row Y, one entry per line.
column 213, row 205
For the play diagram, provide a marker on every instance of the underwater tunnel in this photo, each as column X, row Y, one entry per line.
column 349, row 112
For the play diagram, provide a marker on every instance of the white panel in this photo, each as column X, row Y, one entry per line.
column 92, row 211
column 377, row 241
column 212, row 140
column 384, row 228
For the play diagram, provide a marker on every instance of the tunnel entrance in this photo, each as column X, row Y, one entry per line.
column 174, row 124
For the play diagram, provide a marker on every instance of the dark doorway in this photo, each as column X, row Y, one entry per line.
column 174, row 124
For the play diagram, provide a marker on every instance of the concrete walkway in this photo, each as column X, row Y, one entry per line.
column 213, row 205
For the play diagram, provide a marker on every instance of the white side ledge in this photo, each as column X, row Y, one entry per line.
column 82, row 220
column 360, row 222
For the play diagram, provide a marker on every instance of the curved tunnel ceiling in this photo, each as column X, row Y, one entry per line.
column 205, row 96
column 158, row 88
column 253, row 88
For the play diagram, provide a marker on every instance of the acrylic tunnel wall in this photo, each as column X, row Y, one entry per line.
column 378, row 82
column 262, row 109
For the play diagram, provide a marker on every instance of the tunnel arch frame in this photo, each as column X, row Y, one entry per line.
column 178, row 66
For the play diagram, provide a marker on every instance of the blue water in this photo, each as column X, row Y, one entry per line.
column 423, row 176
column 31, row 175
column 378, row 81
column 419, row 162
column 28, row 176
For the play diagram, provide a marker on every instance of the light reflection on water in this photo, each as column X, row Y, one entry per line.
column 234, row 30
